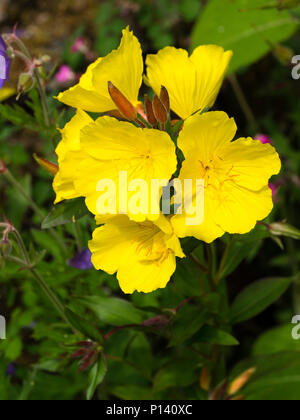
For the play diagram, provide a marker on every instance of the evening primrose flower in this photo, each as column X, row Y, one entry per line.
column 142, row 254
column 193, row 82
column 109, row 148
column 122, row 67
column 236, row 175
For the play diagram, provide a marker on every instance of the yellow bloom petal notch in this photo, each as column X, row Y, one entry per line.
column 69, row 157
column 236, row 176
column 193, row 82
column 120, row 164
column 146, row 253
column 122, row 67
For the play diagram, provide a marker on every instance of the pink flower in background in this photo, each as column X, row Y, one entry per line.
column 264, row 139
column 79, row 45
column 65, row 74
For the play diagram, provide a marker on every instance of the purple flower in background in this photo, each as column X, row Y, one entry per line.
column 4, row 63
column 264, row 139
column 10, row 370
column 82, row 261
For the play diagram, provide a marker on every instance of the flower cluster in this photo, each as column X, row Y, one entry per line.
column 146, row 144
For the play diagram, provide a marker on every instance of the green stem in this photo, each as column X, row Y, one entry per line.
column 52, row 297
column 10, row 178
column 43, row 97
column 223, row 262
column 77, row 235
column 26, row 264
column 243, row 101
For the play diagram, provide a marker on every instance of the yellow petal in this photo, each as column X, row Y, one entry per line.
column 71, row 134
column 123, row 67
column 207, row 133
column 192, row 82
column 253, row 163
column 69, row 157
column 238, row 209
column 64, row 188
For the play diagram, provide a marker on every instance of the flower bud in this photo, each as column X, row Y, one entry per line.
column 205, row 379
column 46, row 164
column 124, row 106
column 25, row 83
column 159, row 110
column 165, row 99
column 5, row 248
column 149, row 112
column 241, row 381
column 284, row 229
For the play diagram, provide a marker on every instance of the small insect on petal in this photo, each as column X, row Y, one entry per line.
column 124, row 106
column 46, row 164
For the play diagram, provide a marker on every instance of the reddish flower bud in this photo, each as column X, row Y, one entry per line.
column 165, row 99
column 149, row 112
column 45, row 164
column 159, row 110
column 124, row 106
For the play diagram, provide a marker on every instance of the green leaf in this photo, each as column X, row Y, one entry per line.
column 188, row 321
column 84, row 326
column 212, row 335
column 114, row 311
column 65, row 212
column 96, row 377
column 241, row 248
column 257, row 297
column 178, row 373
column 132, row 392
column 277, row 377
column 276, row 340
column 240, row 26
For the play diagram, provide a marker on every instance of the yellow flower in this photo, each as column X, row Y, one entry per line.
column 110, row 147
column 69, row 155
column 142, row 254
column 193, row 82
column 123, row 67
column 236, row 175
